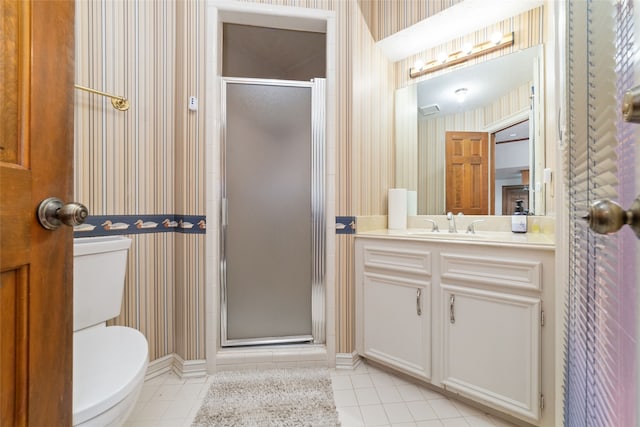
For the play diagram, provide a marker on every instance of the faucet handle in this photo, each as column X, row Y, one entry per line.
column 434, row 224
column 471, row 227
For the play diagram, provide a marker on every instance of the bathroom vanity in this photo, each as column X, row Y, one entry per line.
column 469, row 313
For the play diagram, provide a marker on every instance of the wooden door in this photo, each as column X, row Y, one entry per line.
column 467, row 166
column 511, row 193
column 36, row 158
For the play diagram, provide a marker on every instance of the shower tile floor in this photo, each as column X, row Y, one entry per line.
column 366, row 396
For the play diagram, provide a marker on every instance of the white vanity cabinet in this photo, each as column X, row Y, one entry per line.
column 481, row 332
column 394, row 314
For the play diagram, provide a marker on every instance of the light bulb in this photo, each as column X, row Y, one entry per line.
column 467, row 48
column 418, row 64
column 442, row 57
column 461, row 94
column 496, row 37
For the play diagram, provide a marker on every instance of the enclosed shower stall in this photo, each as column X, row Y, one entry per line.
column 272, row 211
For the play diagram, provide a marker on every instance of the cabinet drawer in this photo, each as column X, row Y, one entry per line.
column 402, row 260
column 507, row 272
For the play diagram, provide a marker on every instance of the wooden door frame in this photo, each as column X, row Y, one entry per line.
column 492, row 130
column 492, row 173
column 505, row 190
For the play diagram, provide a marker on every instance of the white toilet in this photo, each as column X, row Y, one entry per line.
column 109, row 363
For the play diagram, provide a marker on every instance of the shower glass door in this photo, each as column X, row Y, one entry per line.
column 272, row 212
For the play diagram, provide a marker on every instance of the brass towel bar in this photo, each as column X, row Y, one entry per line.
column 120, row 103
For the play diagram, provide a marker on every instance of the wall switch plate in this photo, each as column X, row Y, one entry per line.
column 193, row 103
column 547, row 175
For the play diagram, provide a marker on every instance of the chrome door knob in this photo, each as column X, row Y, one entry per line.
column 606, row 217
column 52, row 213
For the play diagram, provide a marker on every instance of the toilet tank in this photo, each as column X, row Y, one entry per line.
column 99, row 266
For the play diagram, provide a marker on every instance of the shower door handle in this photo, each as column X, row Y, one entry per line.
column 223, row 212
column 606, row 217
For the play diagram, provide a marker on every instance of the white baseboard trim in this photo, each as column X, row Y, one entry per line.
column 159, row 366
column 347, row 360
column 173, row 362
column 189, row 368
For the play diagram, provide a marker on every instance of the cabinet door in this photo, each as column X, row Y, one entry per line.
column 491, row 348
column 396, row 319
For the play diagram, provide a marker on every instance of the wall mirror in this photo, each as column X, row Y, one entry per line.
column 500, row 98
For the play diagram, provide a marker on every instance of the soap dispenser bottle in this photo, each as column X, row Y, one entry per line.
column 519, row 218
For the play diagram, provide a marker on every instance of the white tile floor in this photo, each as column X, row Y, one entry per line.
column 365, row 397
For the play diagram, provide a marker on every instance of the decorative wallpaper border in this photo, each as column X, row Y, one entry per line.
column 109, row 225
column 345, row 225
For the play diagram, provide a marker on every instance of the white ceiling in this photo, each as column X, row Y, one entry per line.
column 458, row 20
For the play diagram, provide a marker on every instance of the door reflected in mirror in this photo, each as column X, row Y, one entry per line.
column 501, row 102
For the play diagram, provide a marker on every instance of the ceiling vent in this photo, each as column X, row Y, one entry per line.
column 429, row 110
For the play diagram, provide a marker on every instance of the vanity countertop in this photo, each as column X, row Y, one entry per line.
column 490, row 238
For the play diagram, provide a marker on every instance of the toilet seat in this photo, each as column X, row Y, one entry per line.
column 109, row 363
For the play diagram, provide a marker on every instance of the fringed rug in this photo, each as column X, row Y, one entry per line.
column 278, row 397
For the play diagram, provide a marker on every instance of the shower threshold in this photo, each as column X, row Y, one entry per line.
column 268, row 341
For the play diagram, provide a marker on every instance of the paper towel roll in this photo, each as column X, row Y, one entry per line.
column 397, row 219
column 412, row 203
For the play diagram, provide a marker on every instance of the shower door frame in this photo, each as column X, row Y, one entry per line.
column 318, row 213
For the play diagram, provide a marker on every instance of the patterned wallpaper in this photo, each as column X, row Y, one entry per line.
column 387, row 17
column 150, row 160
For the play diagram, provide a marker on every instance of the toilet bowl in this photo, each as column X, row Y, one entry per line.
column 109, row 362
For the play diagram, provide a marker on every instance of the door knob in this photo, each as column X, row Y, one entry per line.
column 606, row 217
column 52, row 213
column 631, row 105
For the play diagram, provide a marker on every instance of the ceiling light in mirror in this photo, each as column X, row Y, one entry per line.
column 461, row 94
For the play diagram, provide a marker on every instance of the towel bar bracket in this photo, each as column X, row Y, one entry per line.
column 120, row 103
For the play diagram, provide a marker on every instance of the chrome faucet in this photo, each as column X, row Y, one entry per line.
column 471, row 227
column 434, row 225
column 452, row 223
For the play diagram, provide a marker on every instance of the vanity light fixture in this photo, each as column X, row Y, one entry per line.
column 461, row 56
column 496, row 37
